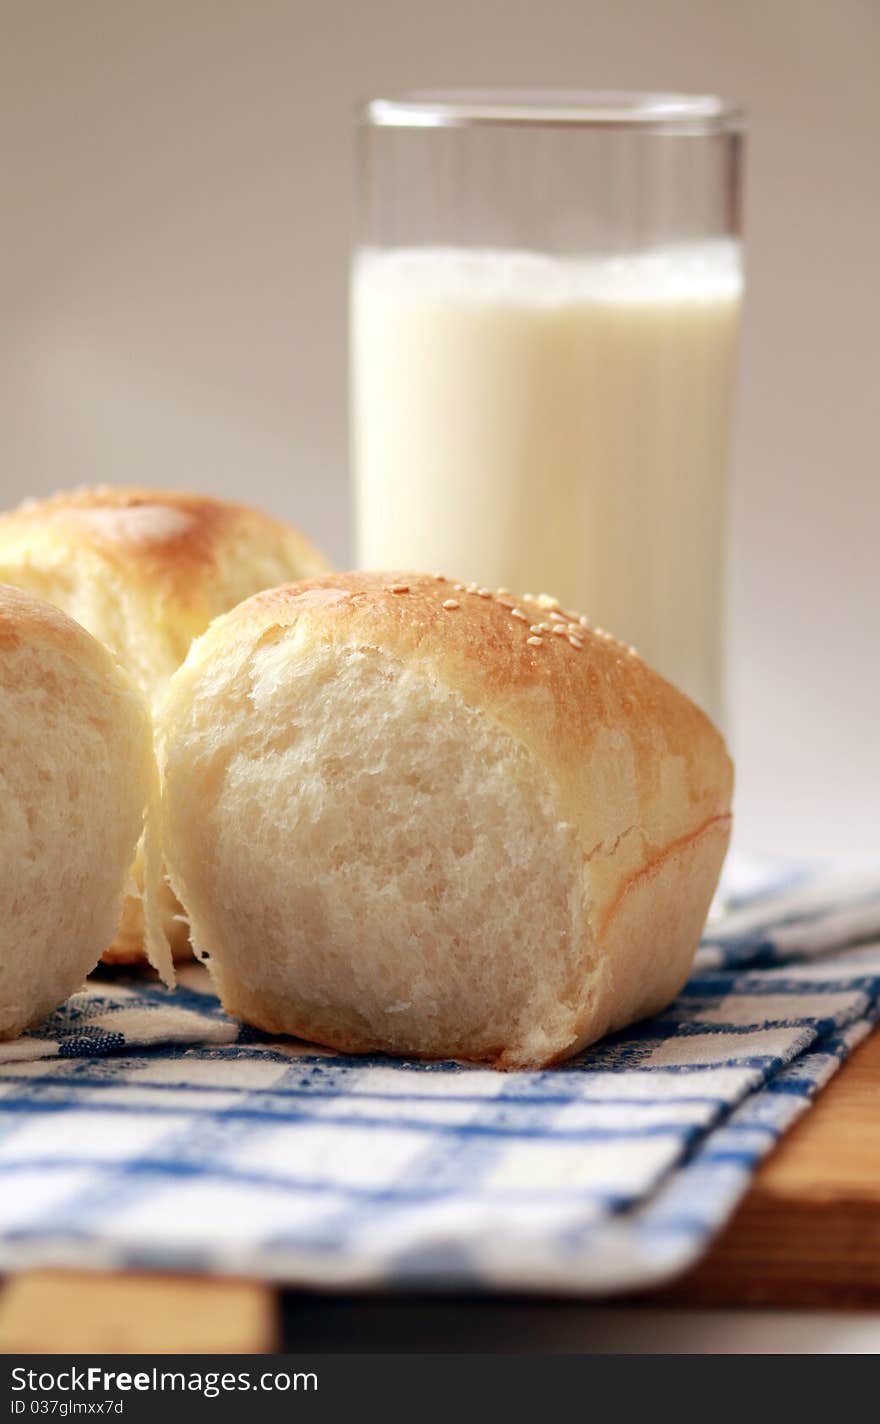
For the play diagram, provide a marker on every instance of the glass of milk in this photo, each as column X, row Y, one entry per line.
column 545, row 298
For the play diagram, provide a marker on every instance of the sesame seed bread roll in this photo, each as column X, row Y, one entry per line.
column 146, row 571
column 413, row 818
column 76, row 775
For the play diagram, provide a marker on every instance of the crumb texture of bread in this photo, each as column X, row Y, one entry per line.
column 145, row 571
column 413, row 818
column 76, row 769
column 352, row 843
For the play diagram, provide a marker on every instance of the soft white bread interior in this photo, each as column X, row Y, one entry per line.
column 146, row 571
column 409, row 817
column 76, row 776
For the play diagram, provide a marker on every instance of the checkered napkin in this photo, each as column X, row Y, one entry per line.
column 145, row 1129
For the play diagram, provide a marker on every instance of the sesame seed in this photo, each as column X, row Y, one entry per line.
column 484, row 592
column 507, row 603
column 502, row 592
column 518, row 613
column 459, row 587
column 560, row 630
column 574, row 628
column 634, row 651
column 584, row 621
column 575, row 642
column 441, row 578
column 535, row 642
column 400, row 588
column 537, row 628
column 557, row 617
column 472, row 588
column 546, row 627
column 451, row 603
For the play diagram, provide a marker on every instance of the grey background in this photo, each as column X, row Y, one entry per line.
column 176, row 203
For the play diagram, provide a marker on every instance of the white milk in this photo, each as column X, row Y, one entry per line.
column 554, row 425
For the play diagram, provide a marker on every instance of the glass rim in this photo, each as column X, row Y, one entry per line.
column 651, row 112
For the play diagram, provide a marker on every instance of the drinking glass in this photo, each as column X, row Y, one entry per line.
column 545, row 297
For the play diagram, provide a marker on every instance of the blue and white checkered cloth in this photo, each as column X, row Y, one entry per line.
column 145, row 1129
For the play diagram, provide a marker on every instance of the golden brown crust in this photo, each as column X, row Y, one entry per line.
column 604, row 684
column 167, row 538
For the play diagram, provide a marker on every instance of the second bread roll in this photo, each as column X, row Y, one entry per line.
column 412, row 818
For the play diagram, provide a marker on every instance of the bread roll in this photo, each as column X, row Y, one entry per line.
column 76, row 772
column 412, row 818
column 146, row 571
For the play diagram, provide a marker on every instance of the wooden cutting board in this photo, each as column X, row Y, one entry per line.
column 807, row 1234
